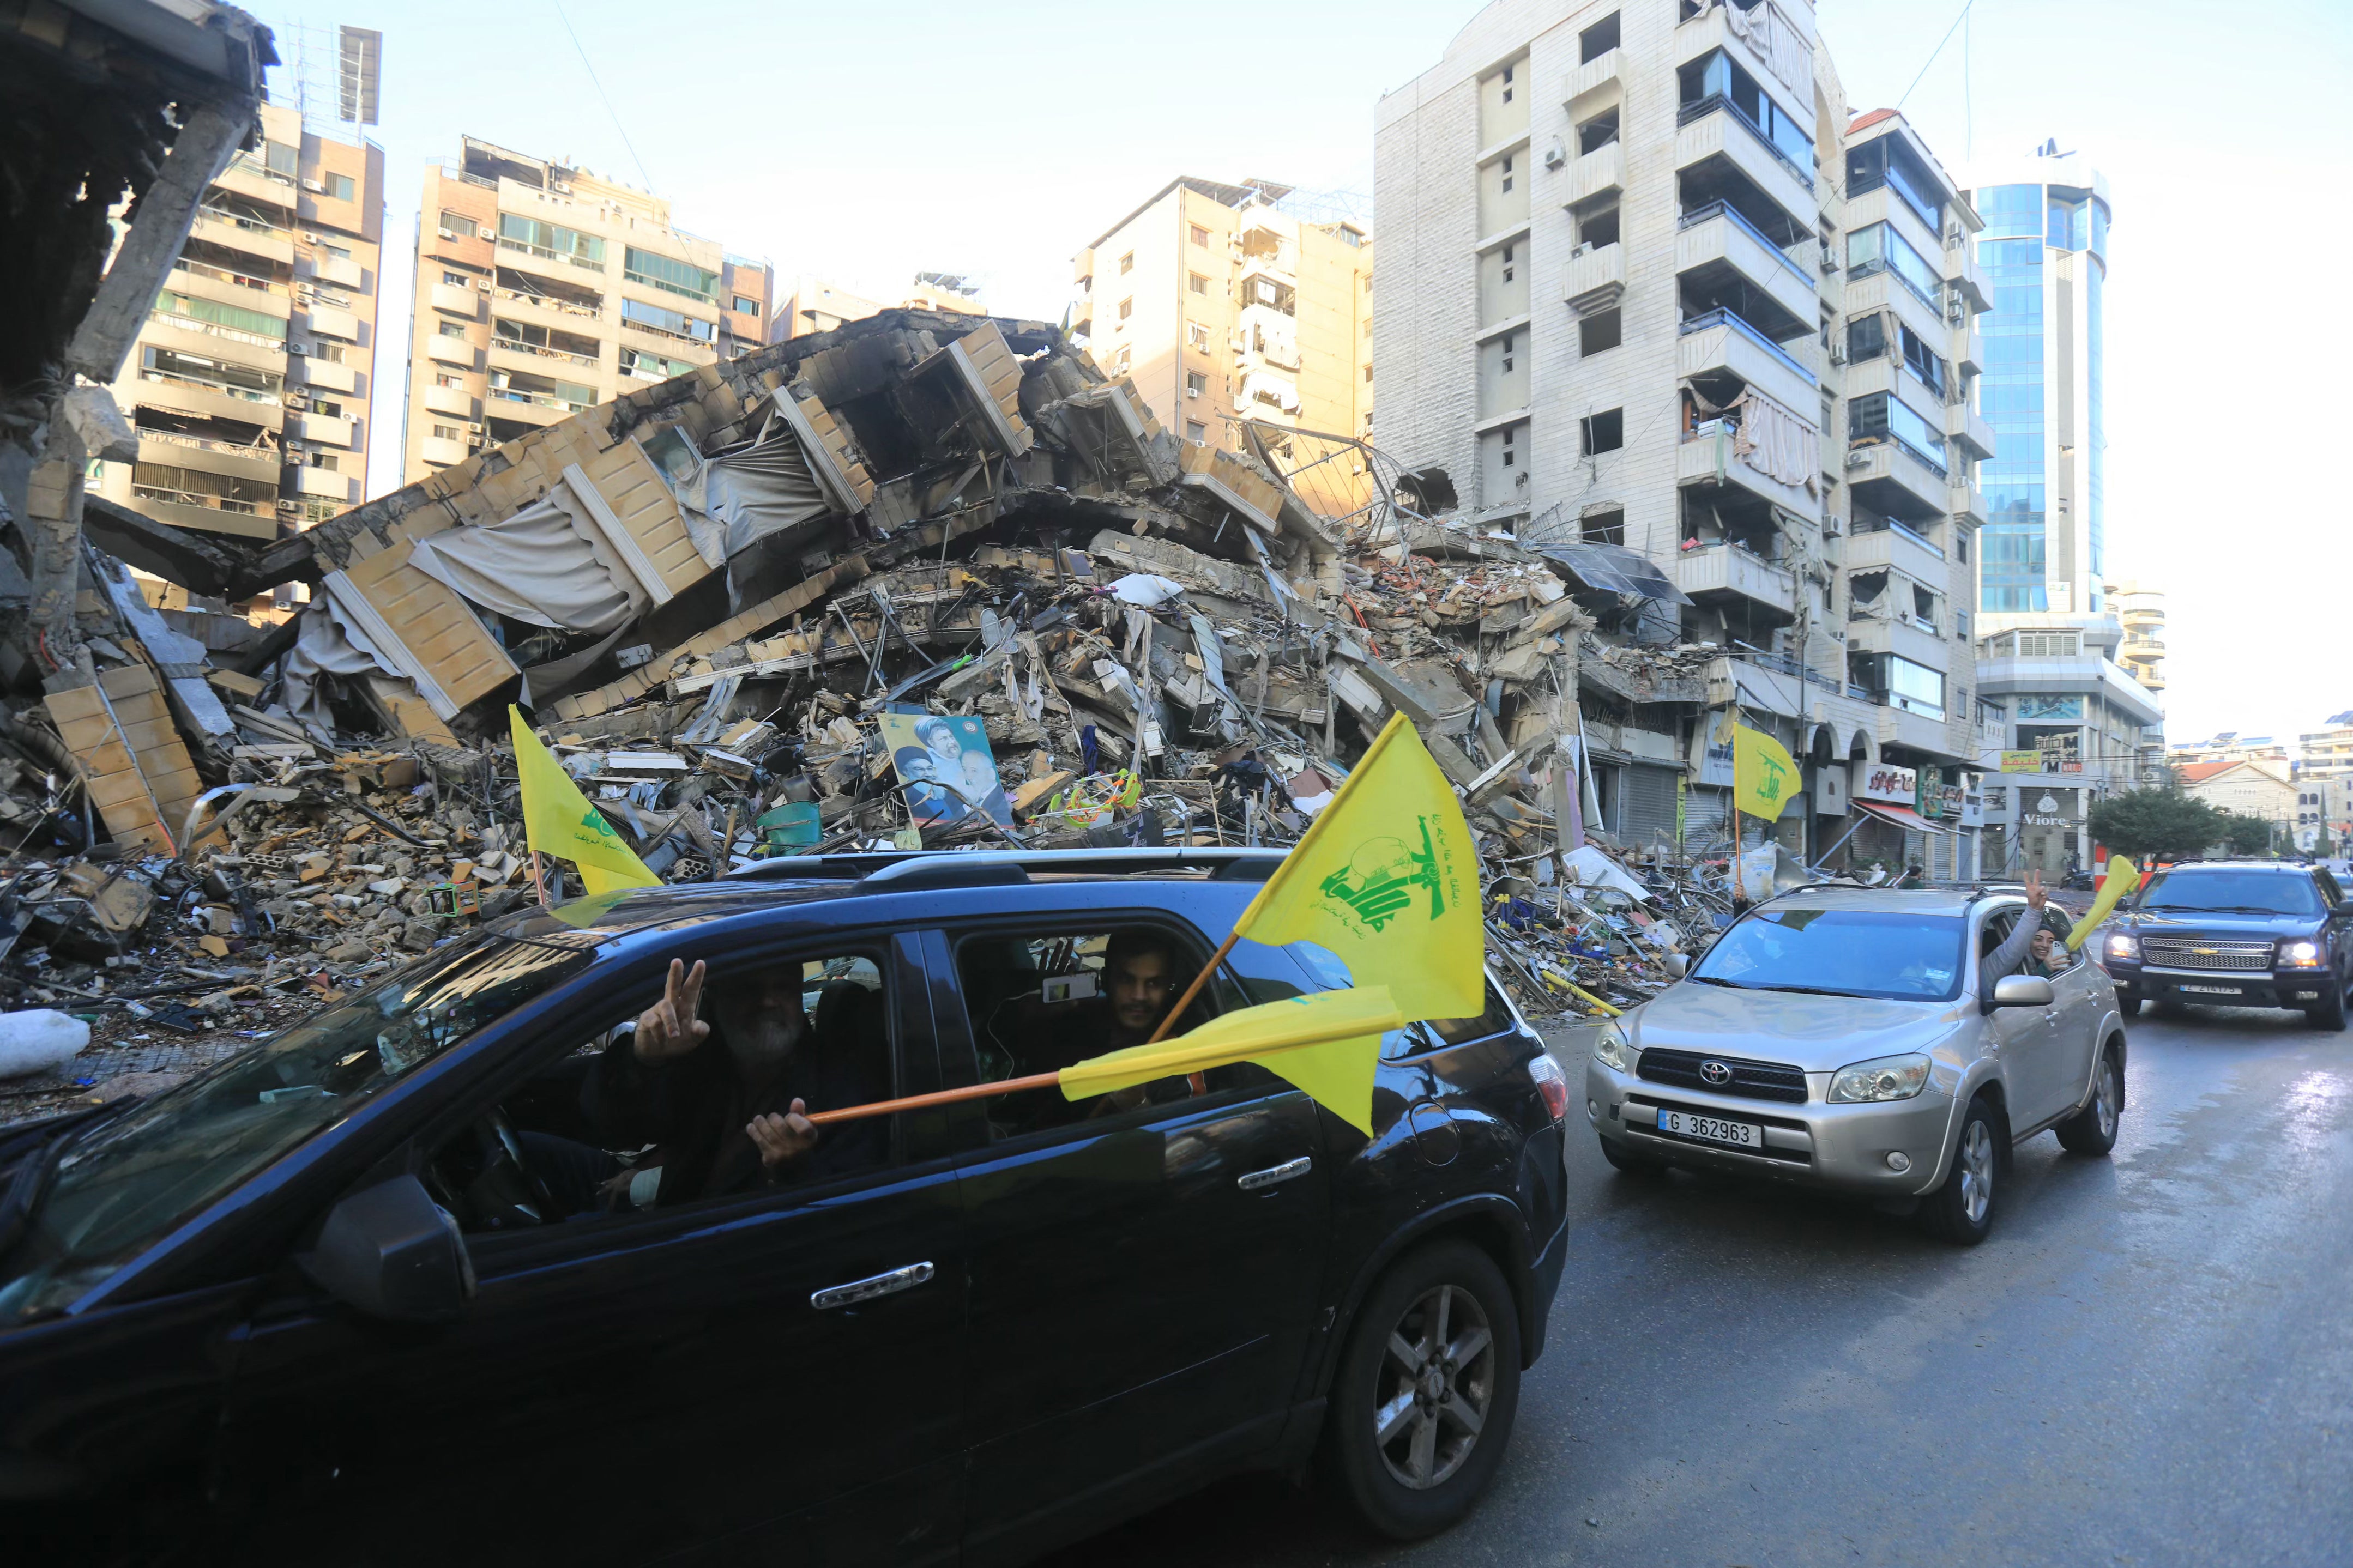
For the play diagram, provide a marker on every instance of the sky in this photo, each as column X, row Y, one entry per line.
column 865, row 143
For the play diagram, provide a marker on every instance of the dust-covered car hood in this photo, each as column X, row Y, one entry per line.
column 1815, row 1033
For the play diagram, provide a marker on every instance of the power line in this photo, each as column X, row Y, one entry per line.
column 1938, row 50
column 600, row 86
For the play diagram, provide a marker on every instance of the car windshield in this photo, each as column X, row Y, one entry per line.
column 131, row 1180
column 2221, row 891
column 1893, row 953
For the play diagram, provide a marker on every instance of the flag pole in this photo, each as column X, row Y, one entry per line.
column 1195, row 989
column 937, row 1097
column 538, row 885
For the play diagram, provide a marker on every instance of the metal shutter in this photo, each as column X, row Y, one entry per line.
column 1646, row 807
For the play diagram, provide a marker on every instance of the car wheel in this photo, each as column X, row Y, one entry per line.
column 1961, row 1210
column 2128, row 1003
column 2093, row 1129
column 1631, row 1162
column 1423, row 1402
column 2329, row 1014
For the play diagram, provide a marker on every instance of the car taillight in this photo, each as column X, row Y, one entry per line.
column 1553, row 1084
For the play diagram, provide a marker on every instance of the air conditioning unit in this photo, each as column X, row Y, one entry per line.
column 1838, row 355
column 294, row 348
column 1858, row 458
column 1556, row 153
column 1830, row 261
column 314, row 185
column 447, row 233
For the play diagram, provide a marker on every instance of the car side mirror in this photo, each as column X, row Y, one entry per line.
column 1677, row 965
column 2022, row 990
column 391, row 1252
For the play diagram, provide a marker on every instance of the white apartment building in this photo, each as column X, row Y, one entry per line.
column 1645, row 284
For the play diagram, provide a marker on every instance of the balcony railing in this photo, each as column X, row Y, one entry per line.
column 224, row 274
column 246, row 164
column 1723, row 317
column 213, row 329
column 209, row 444
column 538, row 399
column 549, row 253
column 198, row 498
column 222, row 215
column 1899, row 443
column 1783, row 664
column 523, row 348
column 550, row 302
column 244, row 394
column 1889, row 525
column 1702, row 108
column 1726, row 210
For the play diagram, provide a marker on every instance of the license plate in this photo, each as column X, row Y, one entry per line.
column 2210, row 990
column 1712, row 1129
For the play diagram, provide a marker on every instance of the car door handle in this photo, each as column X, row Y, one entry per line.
column 867, row 1289
column 1257, row 1180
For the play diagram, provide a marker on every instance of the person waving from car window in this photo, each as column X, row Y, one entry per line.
column 2021, row 945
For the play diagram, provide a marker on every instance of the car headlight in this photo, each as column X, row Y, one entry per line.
column 1612, row 1050
column 2123, row 944
column 1881, row 1077
column 2299, row 952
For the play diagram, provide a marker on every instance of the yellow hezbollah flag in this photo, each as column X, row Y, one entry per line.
column 1387, row 878
column 1328, row 1044
column 1764, row 775
column 558, row 820
column 2122, row 879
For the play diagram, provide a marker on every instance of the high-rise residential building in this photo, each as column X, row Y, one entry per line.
column 819, row 305
column 252, row 384
column 2327, row 752
column 1221, row 307
column 2230, row 746
column 542, row 291
column 2140, row 610
column 1646, row 286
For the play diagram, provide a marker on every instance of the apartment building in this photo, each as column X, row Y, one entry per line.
column 2140, row 609
column 542, row 291
column 2230, row 746
column 819, row 305
column 1648, row 287
column 2327, row 752
column 1222, row 307
column 252, row 384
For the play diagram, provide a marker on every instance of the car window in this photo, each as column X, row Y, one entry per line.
column 2060, row 926
column 2222, row 889
column 1898, row 955
column 621, row 1121
column 1495, row 1018
column 1043, row 1000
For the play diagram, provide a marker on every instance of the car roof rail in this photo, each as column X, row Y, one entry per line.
column 963, row 868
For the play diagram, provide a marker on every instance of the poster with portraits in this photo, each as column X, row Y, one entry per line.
column 947, row 766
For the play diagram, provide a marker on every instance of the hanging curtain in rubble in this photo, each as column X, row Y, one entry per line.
column 738, row 497
column 1779, row 44
column 1776, row 442
column 326, row 644
column 543, row 566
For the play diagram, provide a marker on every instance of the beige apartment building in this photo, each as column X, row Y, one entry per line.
column 2141, row 610
column 1648, row 285
column 252, row 384
column 819, row 305
column 542, row 291
column 1222, row 308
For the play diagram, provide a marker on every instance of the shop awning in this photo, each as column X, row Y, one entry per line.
column 1903, row 817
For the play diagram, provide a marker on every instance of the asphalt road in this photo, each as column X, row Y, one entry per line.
column 2150, row 1362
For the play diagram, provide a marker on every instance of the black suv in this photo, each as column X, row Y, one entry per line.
column 2235, row 933
column 324, row 1302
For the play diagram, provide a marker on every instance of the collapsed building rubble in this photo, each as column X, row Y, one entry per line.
column 927, row 581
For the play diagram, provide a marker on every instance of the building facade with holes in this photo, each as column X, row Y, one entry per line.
column 1646, row 283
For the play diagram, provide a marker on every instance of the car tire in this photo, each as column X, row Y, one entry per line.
column 1447, row 1420
column 2093, row 1129
column 2128, row 1003
column 2329, row 1014
column 1961, row 1210
column 1631, row 1162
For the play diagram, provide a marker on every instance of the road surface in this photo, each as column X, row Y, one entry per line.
column 2150, row 1362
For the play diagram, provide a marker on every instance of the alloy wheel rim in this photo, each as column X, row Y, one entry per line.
column 2107, row 1099
column 1977, row 1173
column 1434, row 1388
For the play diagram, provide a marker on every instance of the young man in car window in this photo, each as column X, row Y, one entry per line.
column 2021, row 946
column 1143, row 972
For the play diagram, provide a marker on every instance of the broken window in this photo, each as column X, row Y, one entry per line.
column 1877, row 247
column 1605, row 527
column 456, row 279
column 1866, row 338
column 550, row 240
column 1604, row 432
column 1596, row 227
column 1923, row 361
column 1597, row 40
column 1120, row 361
column 1197, row 334
column 1128, row 262
column 1197, row 432
column 1924, row 604
column 1197, row 283
column 1200, row 236
column 1598, row 331
column 1888, row 162
column 454, row 382
column 1195, row 384
column 451, row 330
column 1880, row 415
column 1598, row 133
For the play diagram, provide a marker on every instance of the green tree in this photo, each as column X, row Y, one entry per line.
column 2163, row 823
column 2245, row 833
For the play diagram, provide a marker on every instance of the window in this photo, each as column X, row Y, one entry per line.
column 451, row 330
column 550, row 240
column 1887, row 161
column 1127, row 308
column 1197, row 283
column 330, row 461
column 340, row 186
column 1880, row 415
column 656, row 319
column 1511, row 456
column 1604, row 432
column 1507, row 173
column 746, row 306
column 454, row 382
column 1197, row 334
column 1866, row 338
column 461, row 225
column 1598, row 331
column 1877, row 246
column 340, row 252
column 1197, row 432
column 1510, row 352
column 1961, row 545
column 1122, row 359
column 232, row 319
column 1597, row 40
column 1598, row 133
column 648, row 366
column 456, row 279
column 1200, row 236
column 1597, row 227
column 1507, row 93
column 1715, row 78
column 1195, row 384
column 1605, row 527
column 668, row 274
column 279, row 158
column 1128, row 262
column 2046, row 645
column 327, row 406
column 1368, row 375
column 445, row 432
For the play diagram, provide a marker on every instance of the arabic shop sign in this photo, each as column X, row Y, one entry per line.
column 1886, row 783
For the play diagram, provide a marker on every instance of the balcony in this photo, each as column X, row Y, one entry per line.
column 226, row 345
column 535, row 359
column 1716, row 245
column 1709, row 30
column 1893, row 544
column 445, row 350
column 549, row 310
column 456, row 402
column 1722, row 343
column 182, row 509
column 247, row 235
column 332, row 429
column 325, row 375
column 442, row 452
column 1599, row 172
column 1919, row 732
column 207, row 400
column 324, row 483
column 1966, row 502
column 1883, row 291
column 1878, row 204
column 205, row 455
column 200, row 280
column 453, row 301
column 1965, row 428
column 247, row 176
column 1966, row 347
column 1892, row 479
column 1728, row 571
column 328, row 320
column 1962, row 272
column 1595, row 279
column 338, row 271
column 1709, row 455
column 529, row 407
column 1906, row 637
column 1606, row 69
column 1718, row 138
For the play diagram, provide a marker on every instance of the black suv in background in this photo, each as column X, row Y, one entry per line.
column 327, row 1302
column 2235, row 933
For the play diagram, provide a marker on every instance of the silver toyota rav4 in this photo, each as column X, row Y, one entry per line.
column 1853, row 1039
